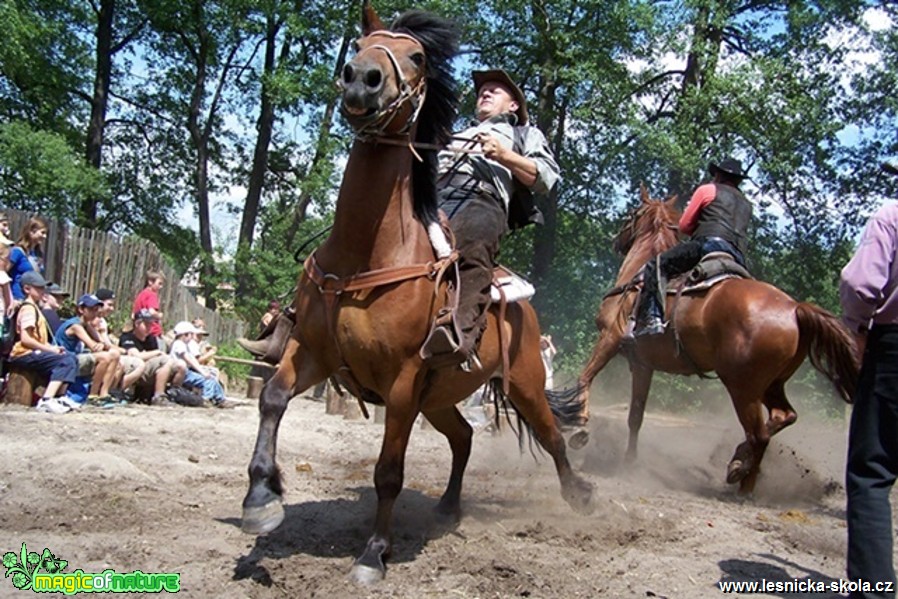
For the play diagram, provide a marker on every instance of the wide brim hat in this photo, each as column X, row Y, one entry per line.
column 729, row 166
column 888, row 167
column 500, row 76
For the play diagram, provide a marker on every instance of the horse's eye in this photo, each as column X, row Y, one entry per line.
column 356, row 46
column 417, row 58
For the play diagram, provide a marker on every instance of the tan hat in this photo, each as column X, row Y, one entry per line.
column 500, row 76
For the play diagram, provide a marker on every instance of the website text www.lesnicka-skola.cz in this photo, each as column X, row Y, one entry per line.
column 803, row 586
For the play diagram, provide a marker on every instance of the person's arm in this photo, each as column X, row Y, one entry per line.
column 864, row 279
column 80, row 331
column 535, row 167
column 700, row 198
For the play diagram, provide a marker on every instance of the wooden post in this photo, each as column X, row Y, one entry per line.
column 253, row 387
column 351, row 409
column 22, row 385
column 334, row 402
column 380, row 414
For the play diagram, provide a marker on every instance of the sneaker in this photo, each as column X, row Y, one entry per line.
column 162, row 401
column 50, row 405
column 121, row 396
column 224, row 404
column 70, row 402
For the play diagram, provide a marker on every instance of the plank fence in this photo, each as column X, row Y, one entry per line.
column 83, row 260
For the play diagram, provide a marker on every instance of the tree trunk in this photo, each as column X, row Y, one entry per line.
column 264, row 126
column 98, row 104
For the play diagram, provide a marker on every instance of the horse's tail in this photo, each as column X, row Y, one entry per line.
column 566, row 406
column 501, row 402
column 831, row 347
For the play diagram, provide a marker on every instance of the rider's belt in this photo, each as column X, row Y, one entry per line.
column 462, row 186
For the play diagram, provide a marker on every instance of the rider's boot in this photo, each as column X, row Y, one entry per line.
column 455, row 343
column 271, row 347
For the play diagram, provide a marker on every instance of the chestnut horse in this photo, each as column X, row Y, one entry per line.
column 750, row 333
column 366, row 298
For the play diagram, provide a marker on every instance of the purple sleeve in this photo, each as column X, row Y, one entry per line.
column 866, row 276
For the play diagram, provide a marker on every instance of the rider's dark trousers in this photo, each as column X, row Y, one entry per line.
column 873, row 462
column 681, row 258
column 479, row 223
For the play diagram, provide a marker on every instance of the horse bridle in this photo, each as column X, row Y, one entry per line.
column 379, row 121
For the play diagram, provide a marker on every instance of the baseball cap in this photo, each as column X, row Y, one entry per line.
column 143, row 314
column 184, row 327
column 33, row 279
column 54, row 289
column 104, row 294
column 88, row 300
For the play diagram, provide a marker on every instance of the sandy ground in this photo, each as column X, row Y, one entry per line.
column 160, row 489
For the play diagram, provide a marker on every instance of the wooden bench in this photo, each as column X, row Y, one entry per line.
column 22, row 384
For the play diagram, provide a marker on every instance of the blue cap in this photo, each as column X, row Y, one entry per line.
column 88, row 300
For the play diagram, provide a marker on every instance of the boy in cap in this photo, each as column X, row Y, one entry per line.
column 159, row 368
column 78, row 336
column 35, row 350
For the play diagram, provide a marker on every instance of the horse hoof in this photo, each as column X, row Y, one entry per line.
column 447, row 518
column 365, row 575
column 580, row 497
column 264, row 519
column 579, row 439
column 736, row 471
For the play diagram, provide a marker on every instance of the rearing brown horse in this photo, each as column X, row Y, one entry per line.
column 366, row 299
column 750, row 333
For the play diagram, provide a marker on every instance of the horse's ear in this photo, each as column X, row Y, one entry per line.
column 644, row 193
column 672, row 201
column 370, row 21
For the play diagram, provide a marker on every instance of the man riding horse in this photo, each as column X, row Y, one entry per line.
column 475, row 191
column 716, row 219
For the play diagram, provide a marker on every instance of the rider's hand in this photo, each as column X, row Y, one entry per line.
column 491, row 147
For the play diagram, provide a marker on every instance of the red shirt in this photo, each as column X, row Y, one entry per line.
column 703, row 196
column 149, row 299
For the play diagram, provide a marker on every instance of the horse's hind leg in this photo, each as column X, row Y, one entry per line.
column 262, row 509
column 640, row 384
column 530, row 401
column 458, row 432
column 745, row 464
column 780, row 412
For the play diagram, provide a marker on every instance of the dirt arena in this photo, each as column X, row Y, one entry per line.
column 159, row 490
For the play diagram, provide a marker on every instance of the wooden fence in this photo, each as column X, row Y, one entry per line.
column 84, row 260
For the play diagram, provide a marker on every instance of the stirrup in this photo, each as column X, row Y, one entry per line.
column 441, row 349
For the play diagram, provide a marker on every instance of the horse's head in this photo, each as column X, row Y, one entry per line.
column 655, row 219
column 391, row 79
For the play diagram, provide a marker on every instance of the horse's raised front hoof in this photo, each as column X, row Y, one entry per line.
column 579, row 439
column 263, row 519
column 578, row 494
column 737, row 470
column 366, row 575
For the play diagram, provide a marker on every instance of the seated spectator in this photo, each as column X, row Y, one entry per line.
column 79, row 337
column 274, row 308
column 28, row 254
column 54, row 297
column 4, row 230
column 130, row 367
column 197, row 374
column 7, row 307
column 159, row 368
column 205, row 351
column 35, row 350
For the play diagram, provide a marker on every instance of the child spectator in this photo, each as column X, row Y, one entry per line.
column 6, row 302
column 54, row 297
column 78, row 336
column 28, row 254
column 159, row 368
column 547, row 351
column 274, row 308
column 130, row 367
column 34, row 349
column 197, row 374
column 148, row 299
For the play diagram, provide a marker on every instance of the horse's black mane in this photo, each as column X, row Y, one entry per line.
column 439, row 37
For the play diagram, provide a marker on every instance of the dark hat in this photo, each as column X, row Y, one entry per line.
column 500, row 76
column 32, row 278
column 104, row 294
column 54, row 289
column 88, row 300
column 730, row 166
column 143, row 314
column 889, row 168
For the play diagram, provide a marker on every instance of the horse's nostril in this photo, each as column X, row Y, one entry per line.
column 347, row 73
column 373, row 79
